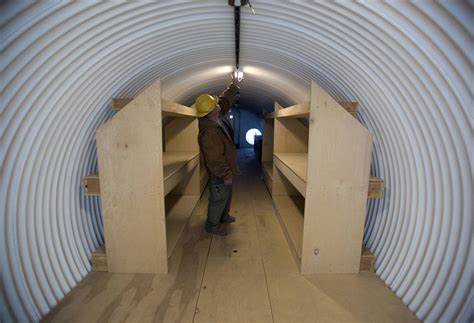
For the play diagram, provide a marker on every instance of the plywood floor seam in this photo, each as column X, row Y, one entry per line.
column 202, row 281
column 264, row 270
column 248, row 276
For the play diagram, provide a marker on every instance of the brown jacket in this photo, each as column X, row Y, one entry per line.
column 215, row 141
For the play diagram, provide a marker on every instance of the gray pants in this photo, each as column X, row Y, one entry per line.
column 220, row 197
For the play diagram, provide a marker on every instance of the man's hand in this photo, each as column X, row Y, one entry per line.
column 228, row 181
column 235, row 80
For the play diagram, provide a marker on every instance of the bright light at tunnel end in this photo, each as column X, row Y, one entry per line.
column 250, row 135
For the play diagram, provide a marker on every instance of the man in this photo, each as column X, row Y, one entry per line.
column 220, row 158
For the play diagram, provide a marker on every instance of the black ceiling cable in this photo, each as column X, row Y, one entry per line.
column 237, row 73
column 237, row 4
column 237, row 35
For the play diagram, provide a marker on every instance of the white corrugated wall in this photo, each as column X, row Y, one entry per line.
column 409, row 65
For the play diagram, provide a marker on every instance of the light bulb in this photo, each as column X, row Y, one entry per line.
column 238, row 74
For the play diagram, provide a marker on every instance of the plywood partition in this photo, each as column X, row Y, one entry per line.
column 337, row 182
column 267, row 140
column 150, row 180
column 319, row 181
column 180, row 135
column 129, row 149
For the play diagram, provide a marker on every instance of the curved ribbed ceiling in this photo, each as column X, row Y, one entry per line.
column 407, row 64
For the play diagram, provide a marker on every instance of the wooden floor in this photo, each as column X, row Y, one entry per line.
column 248, row 276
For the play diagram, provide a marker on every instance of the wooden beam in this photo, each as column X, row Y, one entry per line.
column 295, row 111
column 168, row 108
column 91, row 184
column 99, row 259
column 293, row 166
column 175, row 109
column 350, row 107
column 120, row 103
column 367, row 260
column 176, row 166
column 376, row 188
column 302, row 110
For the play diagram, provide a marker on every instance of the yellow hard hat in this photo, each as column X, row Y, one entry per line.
column 205, row 103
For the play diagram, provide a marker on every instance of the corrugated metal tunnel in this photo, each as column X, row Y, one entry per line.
column 408, row 65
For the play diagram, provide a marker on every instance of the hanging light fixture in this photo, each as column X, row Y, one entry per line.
column 238, row 74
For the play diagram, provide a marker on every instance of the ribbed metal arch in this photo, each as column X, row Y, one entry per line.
column 407, row 64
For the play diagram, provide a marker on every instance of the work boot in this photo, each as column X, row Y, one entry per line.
column 227, row 219
column 220, row 231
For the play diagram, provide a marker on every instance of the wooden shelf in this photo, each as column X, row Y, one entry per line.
column 176, row 166
column 295, row 111
column 168, row 108
column 294, row 167
column 302, row 110
column 290, row 210
column 178, row 211
column 321, row 164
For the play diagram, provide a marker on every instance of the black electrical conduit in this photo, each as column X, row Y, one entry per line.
column 237, row 35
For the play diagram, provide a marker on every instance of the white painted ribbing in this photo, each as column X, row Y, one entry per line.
column 409, row 65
